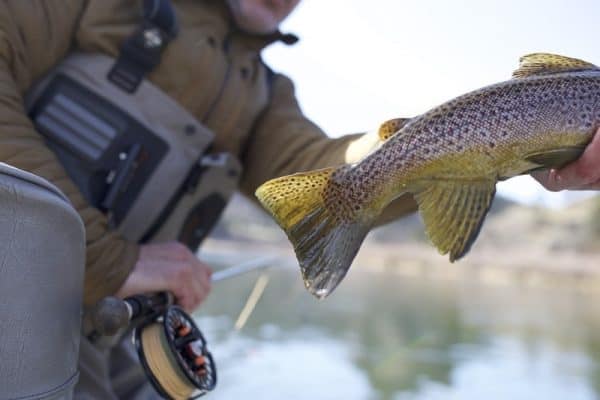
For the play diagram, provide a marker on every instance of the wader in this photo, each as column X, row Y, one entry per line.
column 139, row 157
column 42, row 252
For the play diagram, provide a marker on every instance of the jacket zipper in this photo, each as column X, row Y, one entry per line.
column 213, row 105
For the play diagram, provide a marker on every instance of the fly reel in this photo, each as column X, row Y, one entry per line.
column 170, row 346
column 174, row 355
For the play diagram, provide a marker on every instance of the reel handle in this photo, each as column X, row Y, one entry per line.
column 112, row 314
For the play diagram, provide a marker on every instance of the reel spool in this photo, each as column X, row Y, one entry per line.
column 174, row 355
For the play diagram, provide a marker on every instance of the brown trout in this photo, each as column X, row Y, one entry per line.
column 449, row 159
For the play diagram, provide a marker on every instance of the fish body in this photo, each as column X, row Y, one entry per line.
column 449, row 159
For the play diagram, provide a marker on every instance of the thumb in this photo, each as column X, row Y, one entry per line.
column 586, row 169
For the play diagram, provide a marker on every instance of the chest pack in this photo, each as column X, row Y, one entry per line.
column 133, row 151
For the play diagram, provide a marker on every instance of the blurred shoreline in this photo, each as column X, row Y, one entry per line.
column 579, row 272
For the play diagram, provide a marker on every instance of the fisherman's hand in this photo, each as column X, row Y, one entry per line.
column 582, row 174
column 169, row 267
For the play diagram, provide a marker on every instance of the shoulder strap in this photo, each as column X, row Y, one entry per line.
column 141, row 52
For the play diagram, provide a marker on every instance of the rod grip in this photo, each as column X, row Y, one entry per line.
column 112, row 314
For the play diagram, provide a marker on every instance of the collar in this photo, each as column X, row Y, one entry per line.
column 264, row 40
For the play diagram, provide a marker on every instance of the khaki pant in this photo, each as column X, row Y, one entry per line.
column 110, row 370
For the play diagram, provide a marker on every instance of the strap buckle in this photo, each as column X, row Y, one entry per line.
column 141, row 52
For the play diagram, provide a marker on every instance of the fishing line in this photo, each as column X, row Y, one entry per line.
column 174, row 354
column 162, row 363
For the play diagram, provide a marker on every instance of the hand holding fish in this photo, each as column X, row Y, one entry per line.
column 449, row 159
column 582, row 174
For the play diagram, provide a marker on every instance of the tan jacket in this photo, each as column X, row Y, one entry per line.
column 211, row 69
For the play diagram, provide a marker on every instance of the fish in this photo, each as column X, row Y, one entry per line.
column 449, row 159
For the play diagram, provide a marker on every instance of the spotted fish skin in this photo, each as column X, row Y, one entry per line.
column 487, row 133
column 449, row 158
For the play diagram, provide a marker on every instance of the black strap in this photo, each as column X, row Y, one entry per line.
column 140, row 53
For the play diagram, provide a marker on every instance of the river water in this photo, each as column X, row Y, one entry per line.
column 385, row 336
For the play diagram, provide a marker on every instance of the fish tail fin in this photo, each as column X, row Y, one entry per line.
column 326, row 238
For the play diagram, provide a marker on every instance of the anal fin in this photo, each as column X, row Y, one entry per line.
column 453, row 212
column 556, row 158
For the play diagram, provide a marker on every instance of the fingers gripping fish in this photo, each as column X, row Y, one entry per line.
column 449, row 159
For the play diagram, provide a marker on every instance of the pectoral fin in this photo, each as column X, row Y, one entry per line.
column 390, row 127
column 556, row 158
column 453, row 212
column 545, row 63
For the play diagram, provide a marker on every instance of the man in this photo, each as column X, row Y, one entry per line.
column 213, row 69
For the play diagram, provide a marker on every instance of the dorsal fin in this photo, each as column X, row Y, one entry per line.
column 546, row 63
column 390, row 127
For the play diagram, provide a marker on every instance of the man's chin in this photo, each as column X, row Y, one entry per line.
column 260, row 20
column 258, row 24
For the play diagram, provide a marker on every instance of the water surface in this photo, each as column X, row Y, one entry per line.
column 385, row 336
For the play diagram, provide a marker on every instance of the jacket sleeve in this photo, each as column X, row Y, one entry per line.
column 284, row 142
column 35, row 35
